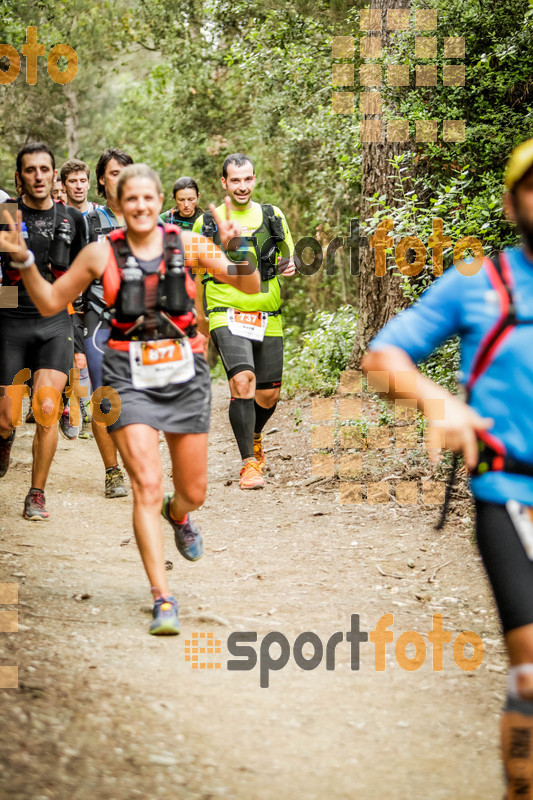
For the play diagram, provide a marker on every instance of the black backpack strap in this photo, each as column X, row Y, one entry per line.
column 97, row 223
column 121, row 251
column 209, row 226
column 171, row 243
column 273, row 222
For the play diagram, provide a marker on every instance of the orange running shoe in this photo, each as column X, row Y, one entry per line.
column 259, row 453
column 251, row 477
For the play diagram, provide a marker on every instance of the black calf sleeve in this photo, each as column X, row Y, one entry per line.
column 242, row 417
column 262, row 415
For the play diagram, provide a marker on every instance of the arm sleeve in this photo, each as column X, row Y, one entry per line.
column 430, row 321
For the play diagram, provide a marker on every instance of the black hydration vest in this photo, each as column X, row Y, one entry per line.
column 265, row 242
column 57, row 259
column 183, row 223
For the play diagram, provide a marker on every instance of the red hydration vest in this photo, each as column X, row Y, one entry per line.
column 493, row 455
column 113, row 280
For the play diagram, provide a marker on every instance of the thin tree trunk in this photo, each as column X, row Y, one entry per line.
column 379, row 297
column 71, row 122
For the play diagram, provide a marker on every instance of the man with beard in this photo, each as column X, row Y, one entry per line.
column 246, row 329
column 101, row 221
column 491, row 311
column 28, row 341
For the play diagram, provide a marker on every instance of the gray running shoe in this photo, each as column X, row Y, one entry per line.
column 34, row 508
column 69, row 431
column 114, row 483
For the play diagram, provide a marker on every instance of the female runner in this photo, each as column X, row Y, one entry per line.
column 154, row 360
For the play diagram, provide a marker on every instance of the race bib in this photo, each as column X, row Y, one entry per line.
column 522, row 518
column 250, row 324
column 158, row 363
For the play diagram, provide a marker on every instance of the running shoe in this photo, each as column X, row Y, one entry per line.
column 165, row 620
column 187, row 536
column 114, row 483
column 67, row 430
column 259, row 453
column 34, row 509
column 85, row 432
column 5, row 452
column 251, row 477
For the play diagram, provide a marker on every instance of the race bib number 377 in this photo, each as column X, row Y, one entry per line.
column 157, row 363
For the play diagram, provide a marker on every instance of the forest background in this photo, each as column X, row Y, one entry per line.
column 180, row 84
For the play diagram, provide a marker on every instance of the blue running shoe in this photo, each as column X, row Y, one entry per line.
column 187, row 536
column 165, row 617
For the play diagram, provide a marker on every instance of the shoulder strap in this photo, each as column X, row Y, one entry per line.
column 209, row 226
column 500, row 277
column 172, row 243
column 99, row 220
column 273, row 222
column 120, row 247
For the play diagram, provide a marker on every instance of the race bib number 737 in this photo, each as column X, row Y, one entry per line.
column 249, row 324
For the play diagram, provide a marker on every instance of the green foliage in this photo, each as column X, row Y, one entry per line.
column 442, row 366
column 315, row 360
column 466, row 206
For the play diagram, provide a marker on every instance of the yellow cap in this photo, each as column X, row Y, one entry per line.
column 520, row 161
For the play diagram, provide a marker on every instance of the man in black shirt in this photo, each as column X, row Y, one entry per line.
column 28, row 341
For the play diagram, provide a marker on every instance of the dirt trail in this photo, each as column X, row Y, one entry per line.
column 105, row 711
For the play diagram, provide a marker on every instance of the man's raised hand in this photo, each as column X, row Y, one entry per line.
column 229, row 230
column 12, row 240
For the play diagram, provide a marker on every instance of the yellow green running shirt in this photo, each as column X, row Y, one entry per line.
column 220, row 294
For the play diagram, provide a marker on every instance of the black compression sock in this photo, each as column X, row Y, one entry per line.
column 242, row 418
column 262, row 415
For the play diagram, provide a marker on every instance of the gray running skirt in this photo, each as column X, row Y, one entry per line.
column 176, row 408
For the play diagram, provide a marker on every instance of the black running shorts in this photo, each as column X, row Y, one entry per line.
column 77, row 326
column 264, row 359
column 34, row 343
column 509, row 569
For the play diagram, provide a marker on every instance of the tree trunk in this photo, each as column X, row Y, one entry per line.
column 379, row 297
column 71, row 122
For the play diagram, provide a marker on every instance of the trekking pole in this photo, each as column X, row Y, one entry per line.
column 448, row 493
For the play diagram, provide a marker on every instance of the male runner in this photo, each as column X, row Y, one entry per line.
column 101, row 221
column 246, row 328
column 58, row 192
column 491, row 312
column 75, row 178
column 43, row 345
